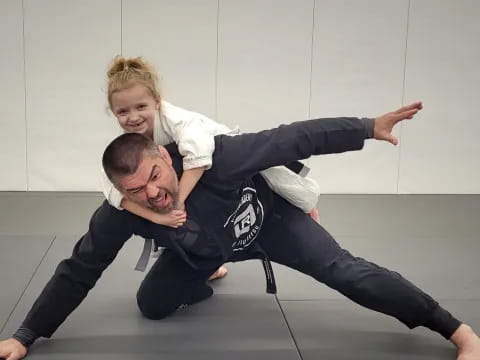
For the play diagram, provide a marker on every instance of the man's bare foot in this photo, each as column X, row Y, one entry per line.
column 221, row 272
column 467, row 342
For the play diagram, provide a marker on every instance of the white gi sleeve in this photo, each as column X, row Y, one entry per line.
column 193, row 133
column 110, row 192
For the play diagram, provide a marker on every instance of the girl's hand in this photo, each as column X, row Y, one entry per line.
column 174, row 218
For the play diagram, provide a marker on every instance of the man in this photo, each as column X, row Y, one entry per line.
column 232, row 216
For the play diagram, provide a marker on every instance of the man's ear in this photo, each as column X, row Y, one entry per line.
column 165, row 154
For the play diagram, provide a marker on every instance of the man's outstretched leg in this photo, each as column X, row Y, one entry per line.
column 295, row 240
column 171, row 284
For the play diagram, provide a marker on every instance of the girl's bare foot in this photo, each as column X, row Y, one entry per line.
column 314, row 214
column 221, row 272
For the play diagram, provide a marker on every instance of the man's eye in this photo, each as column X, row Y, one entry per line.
column 154, row 177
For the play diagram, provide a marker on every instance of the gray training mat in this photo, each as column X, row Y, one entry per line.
column 107, row 325
column 400, row 216
column 35, row 213
column 341, row 330
column 19, row 258
column 444, row 267
column 432, row 240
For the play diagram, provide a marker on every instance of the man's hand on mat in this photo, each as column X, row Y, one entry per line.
column 12, row 349
column 384, row 124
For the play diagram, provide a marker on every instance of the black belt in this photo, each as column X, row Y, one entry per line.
column 149, row 245
column 267, row 267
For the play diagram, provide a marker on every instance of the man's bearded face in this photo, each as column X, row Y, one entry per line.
column 154, row 185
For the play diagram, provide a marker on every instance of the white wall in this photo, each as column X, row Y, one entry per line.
column 180, row 38
column 255, row 63
column 358, row 67
column 440, row 152
column 68, row 44
column 12, row 98
column 264, row 56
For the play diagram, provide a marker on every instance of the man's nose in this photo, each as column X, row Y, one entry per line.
column 152, row 190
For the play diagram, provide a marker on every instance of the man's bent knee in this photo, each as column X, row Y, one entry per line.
column 155, row 310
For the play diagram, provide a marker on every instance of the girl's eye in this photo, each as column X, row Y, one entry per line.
column 142, row 106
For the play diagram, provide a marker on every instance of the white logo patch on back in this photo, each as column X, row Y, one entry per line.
column 247, row 219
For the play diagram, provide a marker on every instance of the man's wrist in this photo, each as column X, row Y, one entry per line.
column 369, row 124
column 25, row 336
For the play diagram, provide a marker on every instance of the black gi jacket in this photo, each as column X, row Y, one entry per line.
column 225, row 211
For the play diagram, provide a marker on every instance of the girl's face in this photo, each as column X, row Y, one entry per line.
column 135, row 109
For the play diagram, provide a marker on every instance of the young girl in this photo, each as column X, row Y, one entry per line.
column 135, row 101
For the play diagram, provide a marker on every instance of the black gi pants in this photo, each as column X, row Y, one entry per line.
column 291, row 238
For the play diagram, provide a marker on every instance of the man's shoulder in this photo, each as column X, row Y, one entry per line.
column 172, row 149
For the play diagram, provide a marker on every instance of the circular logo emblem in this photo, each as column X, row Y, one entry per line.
column 246, row 221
